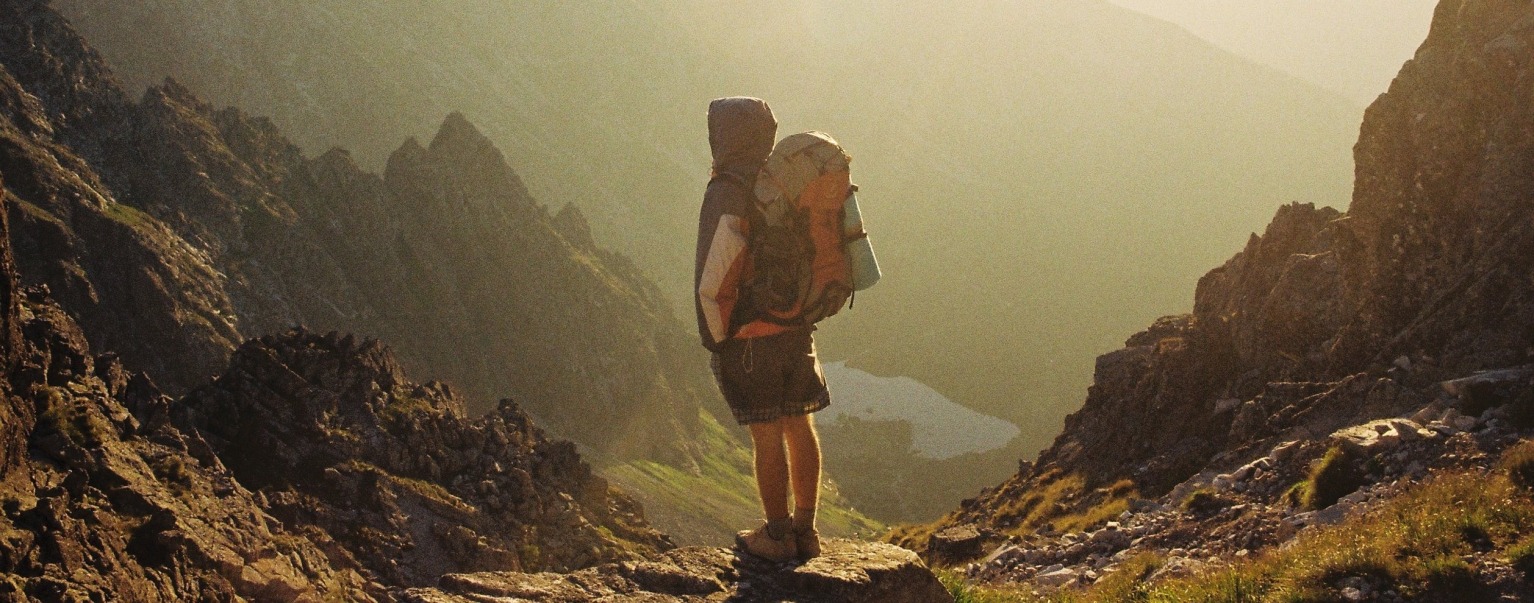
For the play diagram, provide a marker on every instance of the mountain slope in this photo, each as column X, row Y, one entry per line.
column 1341, row 360
column 446, row 253
column 173, row 231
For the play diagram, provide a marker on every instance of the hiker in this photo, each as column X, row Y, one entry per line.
column 769, row 374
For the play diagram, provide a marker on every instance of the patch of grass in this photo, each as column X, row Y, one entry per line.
column 530, row 555
column 1518, row 462
column 63, row 414
column 1094, row 517
column 129, row 216
column 965, row 592
column 1129, row 582
column 1414, row 542
column 708, row 505
column 429, row 490
column 401, row 406
column 1204, row 501
column 1297, row 494
column 1332, row 477
column 173, row 470
column 1042, row 505
column 1521, row 557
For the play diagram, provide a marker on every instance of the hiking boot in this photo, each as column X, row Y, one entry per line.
column 758, row 542
column 808, row 543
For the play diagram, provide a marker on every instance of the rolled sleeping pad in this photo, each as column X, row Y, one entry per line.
column 860, row 252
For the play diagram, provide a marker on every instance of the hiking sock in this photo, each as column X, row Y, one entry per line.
column 804, row 519
column 778, row 529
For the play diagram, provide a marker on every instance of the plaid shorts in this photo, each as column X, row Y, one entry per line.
column 764, row 379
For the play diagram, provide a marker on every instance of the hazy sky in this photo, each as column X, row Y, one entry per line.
column 1351, row 46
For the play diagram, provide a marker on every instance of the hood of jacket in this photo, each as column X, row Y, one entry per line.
column 741, row 131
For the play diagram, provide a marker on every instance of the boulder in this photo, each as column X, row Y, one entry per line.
column 847, row 571
column 956, row 544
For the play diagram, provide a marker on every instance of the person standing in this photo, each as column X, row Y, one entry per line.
column 769, row 374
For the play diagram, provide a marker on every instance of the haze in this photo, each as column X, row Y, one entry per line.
column 1041, row 179
column 1352, row 46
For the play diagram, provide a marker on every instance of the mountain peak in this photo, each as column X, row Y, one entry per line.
column 457, row 132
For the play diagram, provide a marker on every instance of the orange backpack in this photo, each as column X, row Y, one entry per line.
column 799, row 272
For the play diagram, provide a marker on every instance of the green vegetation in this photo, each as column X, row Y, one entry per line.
column 1204, row 501
column 1051, row 505
column 1332, row 477
column 964, row 592
column 67, row 416
column 1518, row 461
column 1040, row 505
column 1521, row 557
column 173, row 471
column 402, row 405
column 1415, row 542
column 1107, row 505
column 531, row 556
column 129, row 216
column 1061, row 502
column 710, row 504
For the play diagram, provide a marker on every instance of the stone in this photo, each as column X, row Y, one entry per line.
column 1463, row 385
column 847, row 570
column 1369, row 438
column 956, row 544
column 1057, row 578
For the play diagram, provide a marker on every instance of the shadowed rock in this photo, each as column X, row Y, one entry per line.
column 847, row 572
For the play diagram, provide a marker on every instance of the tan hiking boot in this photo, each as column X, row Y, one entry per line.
column 808, row 543
column 758, row 542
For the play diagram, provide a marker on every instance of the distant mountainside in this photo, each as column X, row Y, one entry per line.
column 172, row 231
column 1370, row 368
column 183, row 229
column 311, row 469
column 1038, row 176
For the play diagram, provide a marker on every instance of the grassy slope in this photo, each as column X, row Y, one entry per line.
column 708, row 506
column 1416, row 544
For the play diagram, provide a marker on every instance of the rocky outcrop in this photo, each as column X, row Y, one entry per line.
column 96, row 504
column 1420, row 281
column 1329, row 320
column 847, row 572
column 329, row 432
column 175, row 230
column 311, row 470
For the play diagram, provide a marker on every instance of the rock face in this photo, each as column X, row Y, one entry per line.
column 348, row 464
column 1328, row 319
column 328, row 430
column 96, row 504
column 847, row 572
column 173, row 231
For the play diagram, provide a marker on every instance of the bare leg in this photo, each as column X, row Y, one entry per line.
column 804, row 460
column 771, row 469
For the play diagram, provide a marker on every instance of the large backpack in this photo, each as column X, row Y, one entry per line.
column 799, row 272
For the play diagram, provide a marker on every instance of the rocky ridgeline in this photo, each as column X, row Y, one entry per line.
column 332, row 437
column 1389, row 330
column 174, row 231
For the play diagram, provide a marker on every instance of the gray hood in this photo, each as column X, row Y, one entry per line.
column 741, row 131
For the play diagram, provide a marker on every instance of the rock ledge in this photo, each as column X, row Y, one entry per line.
column 849, row 571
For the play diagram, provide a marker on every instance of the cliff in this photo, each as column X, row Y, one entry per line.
column 1412, row 306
